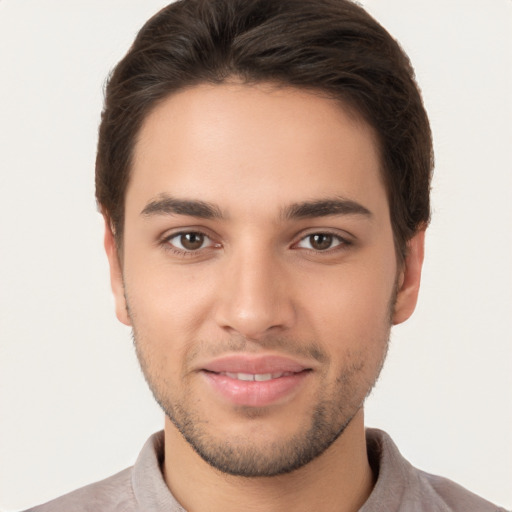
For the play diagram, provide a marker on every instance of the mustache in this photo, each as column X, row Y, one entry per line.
column 240, row 344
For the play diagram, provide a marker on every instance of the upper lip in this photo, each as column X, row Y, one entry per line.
column 254, row 364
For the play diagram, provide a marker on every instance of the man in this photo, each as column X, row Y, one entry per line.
column 263, row 170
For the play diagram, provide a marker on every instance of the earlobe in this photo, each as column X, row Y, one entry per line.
column 410, row 278
column 116, row 274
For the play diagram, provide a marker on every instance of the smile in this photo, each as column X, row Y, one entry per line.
column 257, row 377
column 255, row 389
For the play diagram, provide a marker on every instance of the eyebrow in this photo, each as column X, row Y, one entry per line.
column 166, row 205
column 324, row 208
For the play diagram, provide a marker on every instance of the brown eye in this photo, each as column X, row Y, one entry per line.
column 189, row 241
column 192, row 241
column 321, row 242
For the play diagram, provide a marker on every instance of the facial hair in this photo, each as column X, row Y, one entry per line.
column 241, row 456
column 337, row 404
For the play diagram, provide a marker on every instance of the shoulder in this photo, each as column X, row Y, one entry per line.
column 454, row 496
column 139, row 488
column 112, row 494
column 400, row 487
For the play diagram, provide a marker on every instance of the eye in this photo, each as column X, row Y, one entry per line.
column 189, row 241
column 321, row 242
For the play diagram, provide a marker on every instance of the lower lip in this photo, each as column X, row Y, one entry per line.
column 254, row 393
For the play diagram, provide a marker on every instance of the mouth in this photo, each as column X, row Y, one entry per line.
column 252, row 364
column 245, row 380
column 256, row 377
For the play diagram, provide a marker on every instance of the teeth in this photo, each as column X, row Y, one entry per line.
column 258, row 377
column 245, row 376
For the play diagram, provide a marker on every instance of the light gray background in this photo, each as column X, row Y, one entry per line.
column 73, row 405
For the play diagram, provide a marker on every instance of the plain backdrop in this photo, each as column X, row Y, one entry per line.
column 74, row 407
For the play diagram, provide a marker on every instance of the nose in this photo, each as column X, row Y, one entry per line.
column 255, row 297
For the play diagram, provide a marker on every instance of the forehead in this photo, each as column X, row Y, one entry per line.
column 248, row 145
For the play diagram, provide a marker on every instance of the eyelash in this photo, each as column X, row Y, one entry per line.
column 168, row 246
column 343, row 243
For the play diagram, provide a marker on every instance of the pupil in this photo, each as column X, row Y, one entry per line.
column 192, row 241
column 321, row 242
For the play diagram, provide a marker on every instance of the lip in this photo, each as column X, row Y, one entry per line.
column 255, row 393
column 249, row 363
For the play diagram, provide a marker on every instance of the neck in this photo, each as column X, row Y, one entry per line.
column 338, row 480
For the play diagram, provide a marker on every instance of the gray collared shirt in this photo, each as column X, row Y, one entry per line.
column 400, row 487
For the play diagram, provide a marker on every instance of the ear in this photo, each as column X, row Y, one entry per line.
column 116, row 274
column 409, row 279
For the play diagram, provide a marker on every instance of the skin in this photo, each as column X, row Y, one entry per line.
column 255, row 282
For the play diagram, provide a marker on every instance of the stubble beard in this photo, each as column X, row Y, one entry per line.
column 242, row 456
column 330, row 417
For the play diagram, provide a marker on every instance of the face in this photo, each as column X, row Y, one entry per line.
column 258, row 271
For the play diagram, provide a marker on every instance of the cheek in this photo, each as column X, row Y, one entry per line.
column 166, row 301
column 352, row 322
column 351, row 319
column 355, row 300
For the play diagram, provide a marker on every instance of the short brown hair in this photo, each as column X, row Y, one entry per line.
column 332, row 46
